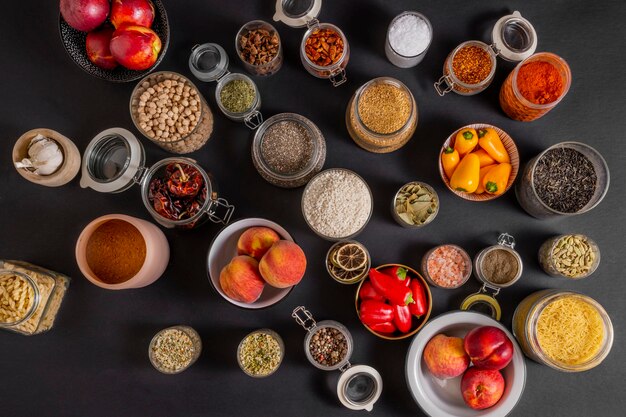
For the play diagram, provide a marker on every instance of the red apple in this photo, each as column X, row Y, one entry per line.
column 98, row 51
column 488, row 347
column 132, row 12
column 445, row 357
column 135, row 47
column 482, row 388
column 84, row 15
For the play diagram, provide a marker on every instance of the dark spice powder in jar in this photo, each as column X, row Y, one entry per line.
column 115, row 251
column 499, row 266
column 287, row 147
column 471, row 64
column 328, row 346
column 565, row 180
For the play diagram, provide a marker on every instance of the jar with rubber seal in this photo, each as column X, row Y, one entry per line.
column 496, row 267
column 259, row 47
column 177, row 191
column 328, row 346
column 324, row 50
column 470, row 67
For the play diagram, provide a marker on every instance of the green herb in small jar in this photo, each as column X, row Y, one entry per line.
column 260, row 353
column 415, row 204
column 174, row 349
column 237, row 96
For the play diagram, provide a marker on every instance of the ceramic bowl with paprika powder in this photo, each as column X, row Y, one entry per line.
column 485, row 160
column 119, row 252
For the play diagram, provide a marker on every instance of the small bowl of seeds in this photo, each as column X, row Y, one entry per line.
column 572, row 256
column 348, row 262
column 260, row 353
column 174, row 349
column 416, row 204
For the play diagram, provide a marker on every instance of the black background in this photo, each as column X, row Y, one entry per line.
column 94, row 362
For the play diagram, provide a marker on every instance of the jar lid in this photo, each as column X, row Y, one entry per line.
column 514, row 38
column 482, row 303
column 297, row 13
column 208, row 62
column 359, row 387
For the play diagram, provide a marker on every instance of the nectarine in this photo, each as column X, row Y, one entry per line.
column 97, row 46
column 135, row 47
column 482, row 388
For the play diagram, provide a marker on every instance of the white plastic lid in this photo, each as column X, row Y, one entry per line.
column 359, row 387
column 514, row 38
column 208, row 62
column 297, row 13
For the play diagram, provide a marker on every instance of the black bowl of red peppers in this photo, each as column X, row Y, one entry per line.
column 393, row 302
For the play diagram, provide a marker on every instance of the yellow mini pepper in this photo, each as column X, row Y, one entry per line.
column 467, row 174
column 497, row 178
column 465, row 141
column 489, row 140
column 449, row 159
column 484, row 158
column 483, row 172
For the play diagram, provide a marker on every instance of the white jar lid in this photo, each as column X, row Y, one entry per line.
column 297, row 13
column 514, row 38
column 359, row 387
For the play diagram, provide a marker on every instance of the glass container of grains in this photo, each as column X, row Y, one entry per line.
column 169, row 110
column 569, row 256
column 564, row 330
column 348, row 262
column 496, row 267
column 337, row 204
column 566, row 179
column 236, row 94
column 324, row 50
column 446, row 266
column 416, row 204
column 382, row 115
column 408, row 37
column 260, row 353
column 288, row 150
column 328, row 346
column 259, row 47
column 174, row 349
column 176, row 191
column 470, row 67
column 30, row 297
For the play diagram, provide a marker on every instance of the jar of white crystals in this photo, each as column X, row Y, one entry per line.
column 408, row 38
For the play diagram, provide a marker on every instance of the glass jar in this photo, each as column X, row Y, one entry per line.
column 467, row 265
column 279, row 341
column 516, row 106
column 374, row 141
column 395, row 57
column 582, row 264
column 268, row 68
column 342, row 275
column 114, row 161
column 359, row 386
column 525, row 320
column 209, row 62
column 45, row 289
column 175, row 137
column 196, row 344
column 302, row 175
column 527, row 195
column 412, row 187
column 304, row 13
column 513, row 38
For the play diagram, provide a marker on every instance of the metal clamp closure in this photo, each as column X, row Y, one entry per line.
column 139, row 176
column 494, row 48
column 345, row 366
column 253, row 120
column 507, row 240
column 483, row 289
column 444, row 79
column 228, row 213
column 338, row 77
column 312, row 23
column 304, row 318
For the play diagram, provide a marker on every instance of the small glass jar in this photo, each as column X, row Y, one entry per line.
column 380, row 142
column 46, row 290
column 467, row 265
column 453, row 83
column 403, row 190
column 525, row 321
column 301, row 176
column 196, row 343
column 516, row 106
column 528, row 197
column 582, row 264
column 268, row 68
column 395, row 57
column 278, row 340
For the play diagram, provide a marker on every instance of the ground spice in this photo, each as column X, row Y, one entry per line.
column 471, row 64
column 499, row 266
column 287, row 147
column 328, row 346
column 539, row 82
column 260, row 354
column 324, row 47
column 237, row 96
column 384, row 108
column 116, row 251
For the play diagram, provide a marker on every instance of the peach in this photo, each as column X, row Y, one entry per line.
column 488, row 347
column 132, row 12
column 482, row 388
column 84, row 15
column 135, row 47
column 256, row 241
column 97, row 46
column 283, row 265
column 445, row 357
column 240, row 279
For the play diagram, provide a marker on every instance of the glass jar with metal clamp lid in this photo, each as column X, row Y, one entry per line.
column 328, row 346
column 236, row 94
column 497, row 267
column 324, row 50
column 513, row 38
column 176, row 191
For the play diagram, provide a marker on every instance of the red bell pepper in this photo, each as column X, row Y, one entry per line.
column 385, row 328
column 399, row 273
column 394, row 291
column 367, row 292
column 402, row 318
column 419, row 305
column 375, row 312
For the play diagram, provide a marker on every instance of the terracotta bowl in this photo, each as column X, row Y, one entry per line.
column 511, row 148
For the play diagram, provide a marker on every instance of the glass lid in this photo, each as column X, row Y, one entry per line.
column 359, row 387
column 297, row 13
column 514, row 38
column 112, row 161
column 208, row 62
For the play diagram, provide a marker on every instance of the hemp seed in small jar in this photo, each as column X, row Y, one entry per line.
column 260, row 353
column 174, row 349
column 569, row 256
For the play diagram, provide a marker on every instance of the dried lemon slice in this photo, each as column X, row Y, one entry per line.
column 351, row 257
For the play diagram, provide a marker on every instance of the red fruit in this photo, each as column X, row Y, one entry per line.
column 240, row 279
column 135, row 47
column 482, row 388
column 98, row 51
column 488, row 347
column 84, row 15
column 132, row 12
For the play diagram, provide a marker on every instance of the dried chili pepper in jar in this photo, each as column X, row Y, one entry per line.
column 180, row 194
column 183, row 180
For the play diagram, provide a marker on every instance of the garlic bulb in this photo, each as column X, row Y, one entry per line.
column 45, row 156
